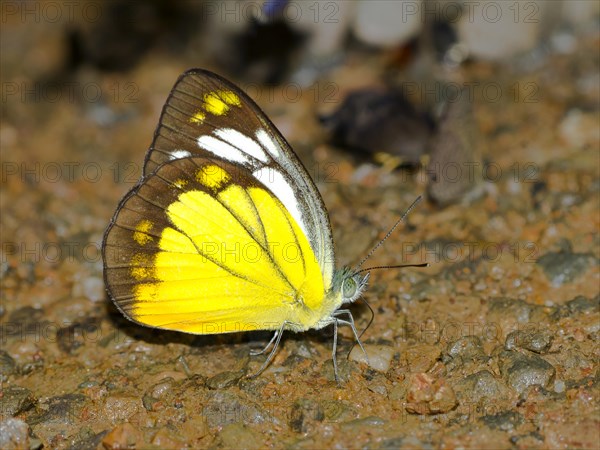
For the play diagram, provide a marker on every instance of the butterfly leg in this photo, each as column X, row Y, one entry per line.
column 277, row 339
column 350, row 323
column 260, row 352
column 333, row 353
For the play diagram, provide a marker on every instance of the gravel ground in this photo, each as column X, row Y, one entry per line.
column 495, row 345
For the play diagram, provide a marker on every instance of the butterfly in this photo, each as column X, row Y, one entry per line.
column 225, row 231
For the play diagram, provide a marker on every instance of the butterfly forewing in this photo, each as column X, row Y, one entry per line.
column 207, row 116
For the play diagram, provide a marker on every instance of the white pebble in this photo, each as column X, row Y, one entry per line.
column 387, row 23
column 380, row 356
column 91, row 288
column 494, row 30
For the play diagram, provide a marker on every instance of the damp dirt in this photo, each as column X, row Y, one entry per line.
column 494, row 345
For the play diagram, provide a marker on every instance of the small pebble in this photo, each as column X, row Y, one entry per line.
column 14, row 434
column 305, row 412
column 60, row 409
column 337, row 411
column 574, row 362
column 522, row 371
column 224, row 380
column 562, row 267
column 8, row 366
column 165, row 439
column 380, row 356
column 581, row 304
column 378, row 388
column 503, row 312
column 503, row 307
column 225, row 408
column 160, row 389
column 123, row 436
column 559, row 386
column 505, row 421
column 157, row 392
column 71, row 338
column 538, row 341
column 427, row 396
column 481, row 385
column 579, row 129
column 466, row 348
column 120, row 407
column 16, row 400
column 93, row 289
column 87, row 441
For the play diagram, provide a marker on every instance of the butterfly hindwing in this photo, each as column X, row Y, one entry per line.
column 207, row 116
column 203, row 247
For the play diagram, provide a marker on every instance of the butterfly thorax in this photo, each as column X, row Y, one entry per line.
column 345, row 288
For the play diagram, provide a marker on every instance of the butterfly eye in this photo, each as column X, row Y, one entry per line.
column 349, row 288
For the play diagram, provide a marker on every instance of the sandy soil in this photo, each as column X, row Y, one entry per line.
column 495, row 345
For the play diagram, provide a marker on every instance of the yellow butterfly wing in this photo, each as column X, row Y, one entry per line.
column 201, row 246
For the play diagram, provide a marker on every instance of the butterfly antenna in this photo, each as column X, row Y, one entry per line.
column 401, row 219
column 368, row 269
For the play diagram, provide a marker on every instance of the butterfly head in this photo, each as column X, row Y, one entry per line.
column 351, row 285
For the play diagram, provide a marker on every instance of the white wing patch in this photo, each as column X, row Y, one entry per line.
column 278, row 185
column 243, row 143
column 222, row 149
column 266, row 141
column 179, row 154
column 236, row 147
